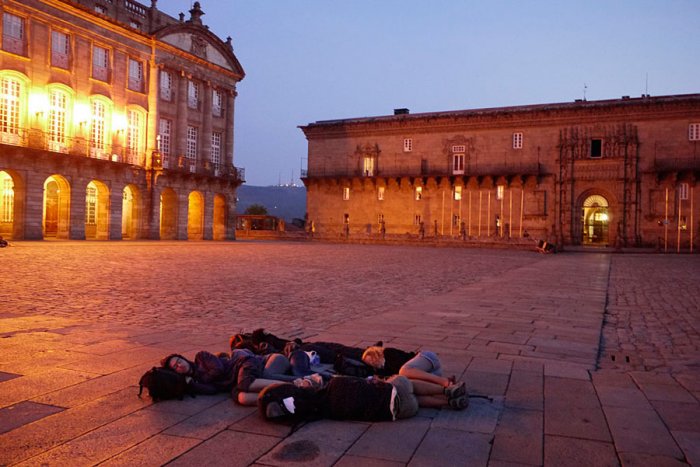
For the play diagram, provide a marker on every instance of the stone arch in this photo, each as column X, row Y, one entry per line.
column 219, row 220
column 195, row 216
column 56, row 208
column 595, row 219
column 131, row 212
column 96, row 211
column 168, row 214
column 11, row 204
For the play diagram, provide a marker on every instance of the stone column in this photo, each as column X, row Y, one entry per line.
column 208, row 233
column 183, row 207
column 116, row 204
column 33, row 206
column 76, row 228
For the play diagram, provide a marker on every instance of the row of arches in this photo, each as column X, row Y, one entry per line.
column 102, row 208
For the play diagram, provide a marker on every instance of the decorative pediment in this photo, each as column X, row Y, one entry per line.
column 367, row 150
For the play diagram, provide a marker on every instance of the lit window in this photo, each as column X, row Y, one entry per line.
column 407, row 145
column 368, row 166
column 346, row 193
column 419, row 193
column 191, row 154
column 13, row 34
column 97, row 130
column 100, row 63
column 458, row 193
column 135, row 75
column 517, row 140
column 164, row 132
column 500, row 191
column 694, row 132
column 380, row 193
column 596, row 148
column 166, row 85
column 91, row 204
column 192, row 95
column 458, row 163
column 7, row 198
column 60, row 49
column 683, row 191
column 58, row 105
column 134, row 124
column 216, row 151
column 217, row 102
column 10, row 93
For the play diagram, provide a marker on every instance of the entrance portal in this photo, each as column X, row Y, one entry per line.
column 7, row 205
column 595, row 220
column 56, row 207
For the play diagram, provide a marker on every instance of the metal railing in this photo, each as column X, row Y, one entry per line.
column 425, row 170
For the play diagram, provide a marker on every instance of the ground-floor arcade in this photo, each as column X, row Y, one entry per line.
column 100, row 200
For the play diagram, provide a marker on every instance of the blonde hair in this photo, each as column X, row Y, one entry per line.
column 374, row 356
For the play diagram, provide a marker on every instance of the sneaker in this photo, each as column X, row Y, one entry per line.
column 459, row 403
column 456, row 390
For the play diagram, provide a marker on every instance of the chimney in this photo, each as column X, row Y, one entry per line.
column 401, row 112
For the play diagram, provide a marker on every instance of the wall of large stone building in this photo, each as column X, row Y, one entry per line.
column 646, row 152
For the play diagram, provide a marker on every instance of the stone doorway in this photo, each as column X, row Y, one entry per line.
column 7, row 205
column 595, row 221
column 56, row 215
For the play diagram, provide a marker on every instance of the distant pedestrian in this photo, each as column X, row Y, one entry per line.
column 421, row 230
column 463, row 231
column 382, row 229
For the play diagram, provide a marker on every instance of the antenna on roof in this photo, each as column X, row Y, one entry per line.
column 585, row 86
column 646, row 85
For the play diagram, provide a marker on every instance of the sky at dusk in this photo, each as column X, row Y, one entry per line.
column 310, row 60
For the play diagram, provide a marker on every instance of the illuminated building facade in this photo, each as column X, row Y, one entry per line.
column 116, row 122
column 619, row 172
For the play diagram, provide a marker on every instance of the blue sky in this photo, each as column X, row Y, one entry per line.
column 322, row 59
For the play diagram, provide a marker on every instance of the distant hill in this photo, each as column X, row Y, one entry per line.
column 287, row 202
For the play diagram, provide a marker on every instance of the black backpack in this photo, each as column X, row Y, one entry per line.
column 163, row 384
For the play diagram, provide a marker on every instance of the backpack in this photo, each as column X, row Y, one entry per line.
column 350, row 367
column 163, row 384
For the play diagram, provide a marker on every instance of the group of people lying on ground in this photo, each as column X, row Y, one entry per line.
column 292, row 379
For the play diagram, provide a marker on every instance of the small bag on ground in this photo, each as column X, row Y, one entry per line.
column 163, row 384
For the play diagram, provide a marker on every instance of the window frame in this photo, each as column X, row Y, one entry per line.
column 518, row 140
column 165, row 85
column 60, row 58
column 346, row 193
column 418, row 193
column 192, row 147
column 458, row 160
column 216, row 139
column 408, row 145
column 101, row 72
column 217, row 103
column 380, row 193
column 11, row 42
column 694, row 132
column 165, row 126
column 193, row 94
column 136, row 78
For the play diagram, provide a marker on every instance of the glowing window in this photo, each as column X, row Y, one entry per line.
column 500, row 191
column 134, row 124
column 97, row 128
column 58, row 104
column 10, row 92
column 7, row 198
column 419, row 193
column 380, row 193
column 458, row 193
column 346, row 193
column 368, row 167
column 91, row 204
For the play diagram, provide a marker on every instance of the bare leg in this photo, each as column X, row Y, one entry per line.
column 424, row 388
column 416, row 374
column 248, row 398
column 434, row 402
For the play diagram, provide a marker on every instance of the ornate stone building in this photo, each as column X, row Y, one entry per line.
column 617, row 172
column 116, row 122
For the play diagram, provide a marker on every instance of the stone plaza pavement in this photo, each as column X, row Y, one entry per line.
column 580, row 358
